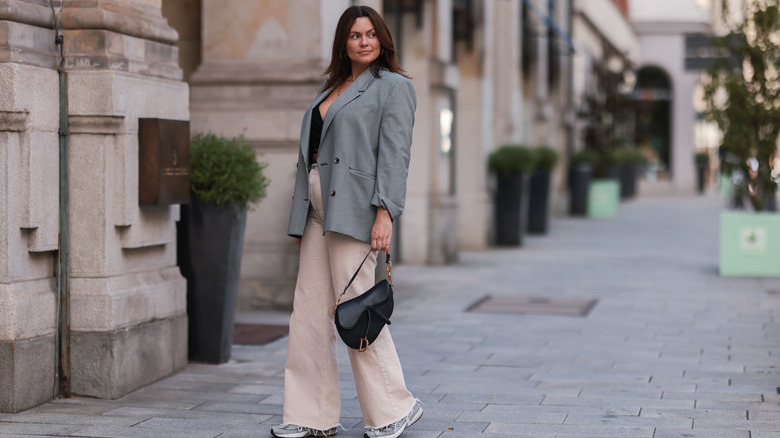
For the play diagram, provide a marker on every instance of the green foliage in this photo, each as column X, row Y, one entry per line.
column 616, row 157
column 742, row 93
column 585, row 157
column 632, row 157
column 226, row 171
column 512, row 160
column 702, row 158
column 546, row 157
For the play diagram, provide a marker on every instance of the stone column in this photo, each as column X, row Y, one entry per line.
column 128, row 310
column 505, row 44
column 474, row 136
column 29, row 202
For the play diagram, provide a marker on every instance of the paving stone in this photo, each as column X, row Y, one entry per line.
column 39, row 429
column 140, row 432
column 628, row 421
column 200, row 414
column 578, row 431
column 69, row 418
column 662, row 432
column 490, row 416
column 712, row 396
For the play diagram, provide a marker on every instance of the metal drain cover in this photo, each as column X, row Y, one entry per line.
column 533, row 305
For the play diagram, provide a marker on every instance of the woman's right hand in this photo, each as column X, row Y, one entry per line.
column 298, row 240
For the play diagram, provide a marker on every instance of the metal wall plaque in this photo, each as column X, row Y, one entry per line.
column 163, row 162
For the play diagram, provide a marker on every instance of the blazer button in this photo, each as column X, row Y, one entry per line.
column 332, row 193
column 336, row 160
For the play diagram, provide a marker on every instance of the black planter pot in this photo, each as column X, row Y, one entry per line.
column 210, row 243
column 538, row 202
column 628, row 175
column 512, row 210
column 701, row 172
column 579, row 183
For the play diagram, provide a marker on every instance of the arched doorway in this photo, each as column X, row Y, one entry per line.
column 653, row 94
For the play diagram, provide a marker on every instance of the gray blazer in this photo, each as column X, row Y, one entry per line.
column 363, row 156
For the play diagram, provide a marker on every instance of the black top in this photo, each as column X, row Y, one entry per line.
column 316, row 133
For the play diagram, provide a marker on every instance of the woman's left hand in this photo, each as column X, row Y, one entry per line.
column 382, row 231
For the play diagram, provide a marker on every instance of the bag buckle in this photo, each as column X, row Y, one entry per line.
column 363, row 344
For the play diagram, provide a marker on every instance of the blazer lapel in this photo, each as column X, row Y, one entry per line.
column 306, row 131
column 351, row 93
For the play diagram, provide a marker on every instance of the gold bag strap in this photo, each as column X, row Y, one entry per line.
column 389, row 276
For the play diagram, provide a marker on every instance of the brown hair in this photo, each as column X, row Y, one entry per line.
column 340, row 67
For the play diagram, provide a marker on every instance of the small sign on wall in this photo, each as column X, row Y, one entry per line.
column 163, row 162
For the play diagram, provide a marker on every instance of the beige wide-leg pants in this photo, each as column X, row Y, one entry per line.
column 311, row 388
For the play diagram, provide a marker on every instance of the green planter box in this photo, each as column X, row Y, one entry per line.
column 750, row 244
column 724, row 187
column 603, row 198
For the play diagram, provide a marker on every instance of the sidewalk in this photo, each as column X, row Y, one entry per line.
column 670, row 349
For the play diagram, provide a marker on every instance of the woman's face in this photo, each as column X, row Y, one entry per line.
column 362, row 44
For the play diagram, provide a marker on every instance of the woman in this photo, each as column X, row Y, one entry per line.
column 350, row 186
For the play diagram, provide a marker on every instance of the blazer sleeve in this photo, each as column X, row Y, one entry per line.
column 394, row 149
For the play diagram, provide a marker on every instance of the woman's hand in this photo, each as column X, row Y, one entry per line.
column 382, row 231
column 298, row 240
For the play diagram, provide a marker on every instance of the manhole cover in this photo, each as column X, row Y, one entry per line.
column 533, row 306
column 258, row 334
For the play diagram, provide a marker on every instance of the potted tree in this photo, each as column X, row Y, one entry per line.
column 741, row 94
column 539, row 195
column 580, row 175
column 702, row 160
column 225, row 181
column 512, row 165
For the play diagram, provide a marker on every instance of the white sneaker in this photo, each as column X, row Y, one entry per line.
column 394, row 430
column 294, row 431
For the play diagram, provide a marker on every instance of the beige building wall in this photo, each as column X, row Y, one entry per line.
column 261, row 65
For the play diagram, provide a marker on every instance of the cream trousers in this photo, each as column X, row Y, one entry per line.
column 311, row 387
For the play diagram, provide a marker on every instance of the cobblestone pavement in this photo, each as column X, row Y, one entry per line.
column 670, row 349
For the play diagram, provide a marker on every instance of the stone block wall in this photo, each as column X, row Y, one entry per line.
column 29, row 204
column 127, row 297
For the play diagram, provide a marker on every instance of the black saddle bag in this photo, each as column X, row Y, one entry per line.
column 359, row 320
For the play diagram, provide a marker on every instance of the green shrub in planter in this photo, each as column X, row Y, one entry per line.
column 226, row 171
column 702, row 158
column 634, row 157
column 512, row 160
column 226, row 180
column 539, row 195
column 546, row 158
column 580, row 173
column 629, row 161
column 617, row 157
column 585, row 157
column 513, row 165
